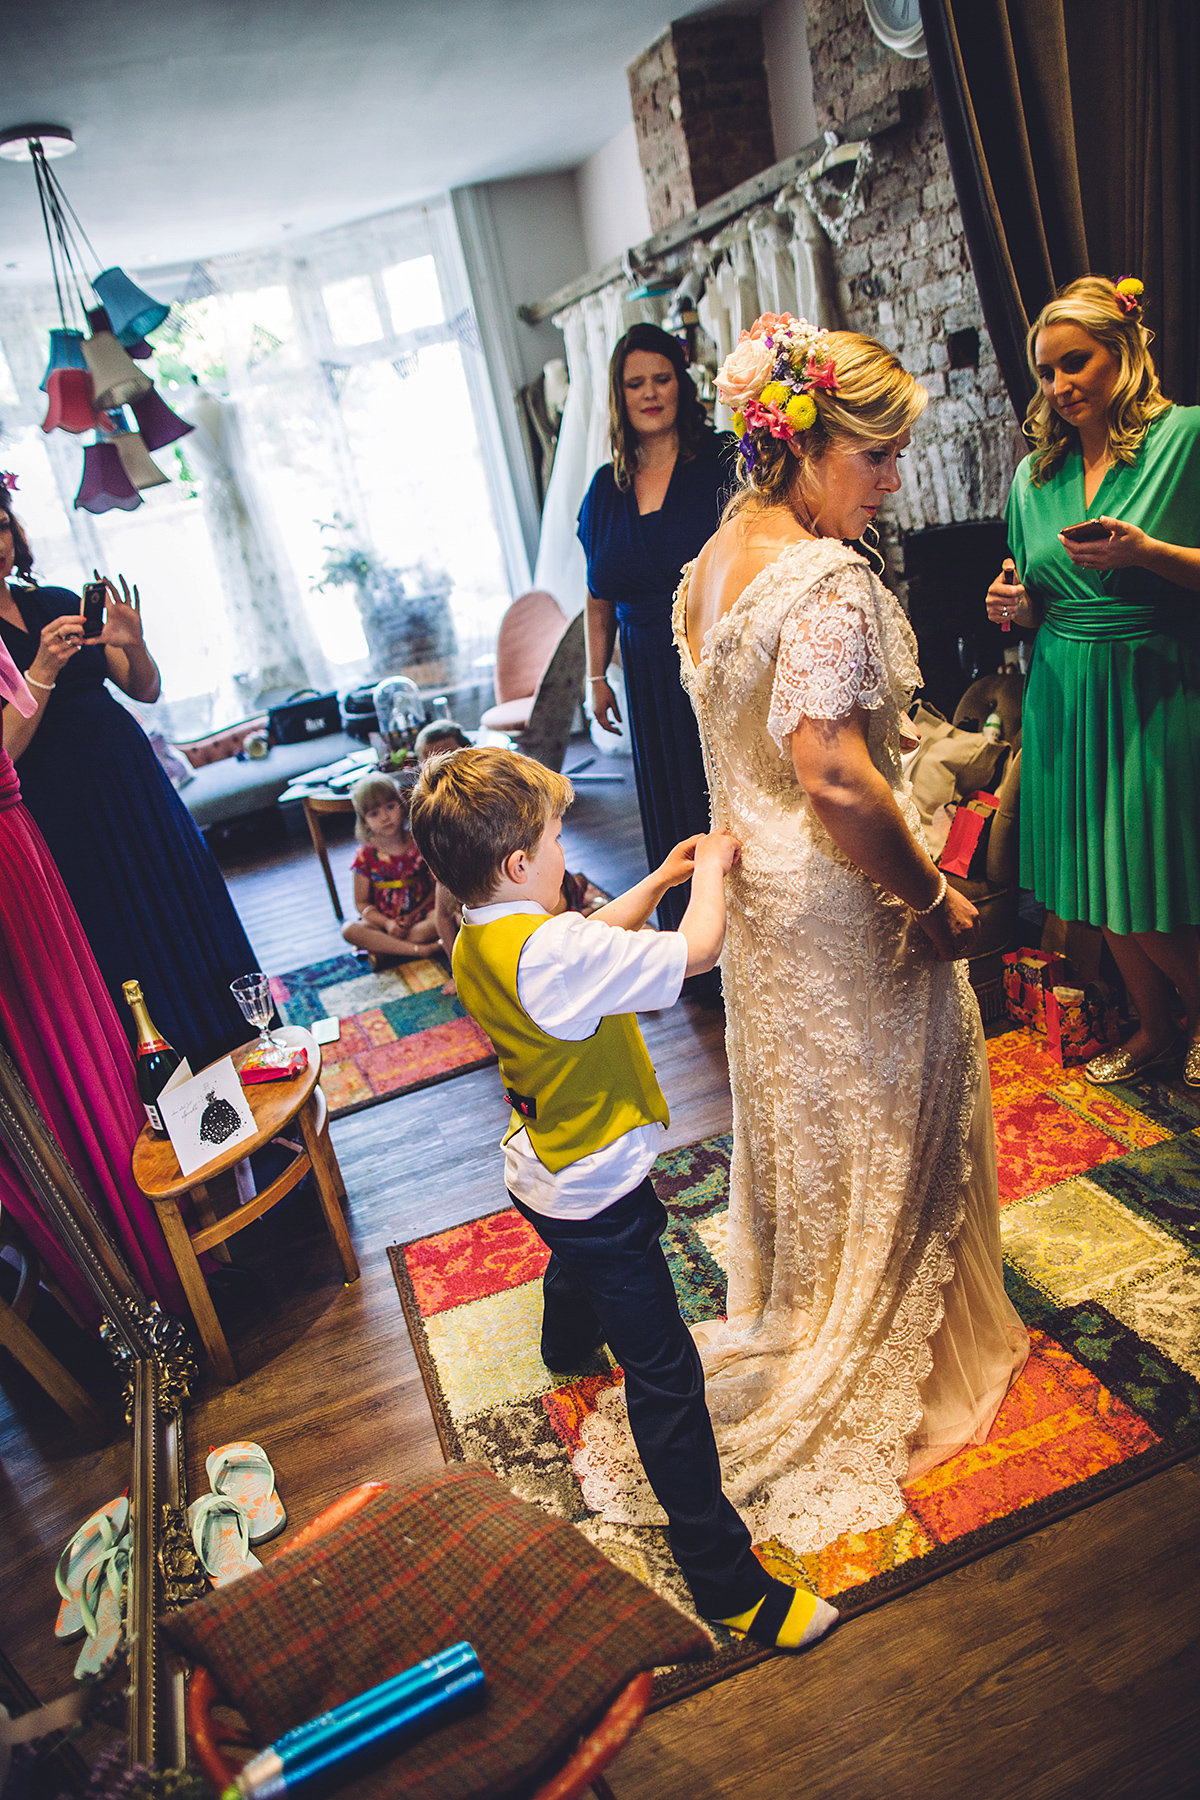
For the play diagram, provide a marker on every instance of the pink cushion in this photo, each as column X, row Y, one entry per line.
column 220, row 744
column 510, row 715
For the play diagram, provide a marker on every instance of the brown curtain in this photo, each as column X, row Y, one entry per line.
column 1073, row 132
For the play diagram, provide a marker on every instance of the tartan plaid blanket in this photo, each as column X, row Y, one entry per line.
column 558, row 1629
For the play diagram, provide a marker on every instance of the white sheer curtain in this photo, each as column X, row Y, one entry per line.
column 590, row 332
column 341, row 383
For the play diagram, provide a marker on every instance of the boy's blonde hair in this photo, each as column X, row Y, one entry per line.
column 367, row 794
column 473, row 808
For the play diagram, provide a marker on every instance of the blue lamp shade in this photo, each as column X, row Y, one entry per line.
column 132, row 312
column 105, row 484
column 98, row 320
column 156, row 422
column 66, row 352
column 71, row 406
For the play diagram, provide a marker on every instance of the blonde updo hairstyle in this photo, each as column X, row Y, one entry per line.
column 1092, row 303
column 876, row 401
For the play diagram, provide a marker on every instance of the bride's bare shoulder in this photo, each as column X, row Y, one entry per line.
column 735, row 555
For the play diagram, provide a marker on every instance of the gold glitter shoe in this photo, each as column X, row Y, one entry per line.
column 1191, row 1064
column 1118, row 1065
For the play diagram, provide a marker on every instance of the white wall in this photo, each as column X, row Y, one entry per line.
column 789, row 75
column 541, row 246
column 612, row 199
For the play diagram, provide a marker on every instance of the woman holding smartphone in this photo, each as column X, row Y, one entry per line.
column 150, row 897
column 1104, row 526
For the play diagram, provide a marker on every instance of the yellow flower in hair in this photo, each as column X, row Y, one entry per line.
column 801, row 411
column 739, row 423
column 1131, row 285
column 774, row 394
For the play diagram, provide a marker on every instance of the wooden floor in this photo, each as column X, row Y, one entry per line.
column 1065, row 1666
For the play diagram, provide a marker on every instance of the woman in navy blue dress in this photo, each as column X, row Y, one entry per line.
column 647, row 513
column 151, row 899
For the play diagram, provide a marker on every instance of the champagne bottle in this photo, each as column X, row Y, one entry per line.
column 156, row 1061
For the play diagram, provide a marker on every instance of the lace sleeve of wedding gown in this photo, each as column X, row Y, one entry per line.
column 830, row 659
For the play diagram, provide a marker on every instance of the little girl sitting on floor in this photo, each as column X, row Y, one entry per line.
column 393, row 890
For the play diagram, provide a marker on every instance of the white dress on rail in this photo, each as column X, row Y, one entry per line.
column 868, row 1335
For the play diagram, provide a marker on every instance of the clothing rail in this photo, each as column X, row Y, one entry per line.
column 893, row 111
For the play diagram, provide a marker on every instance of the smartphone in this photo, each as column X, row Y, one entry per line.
column 94, row 595
column 1090, row 532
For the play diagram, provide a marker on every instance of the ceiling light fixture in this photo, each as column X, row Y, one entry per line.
column 88, row 376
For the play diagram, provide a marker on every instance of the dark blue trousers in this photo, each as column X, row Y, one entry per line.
column 608, row 1282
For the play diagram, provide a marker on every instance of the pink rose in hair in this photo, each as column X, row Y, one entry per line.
column 745, row 371
column 769, row 324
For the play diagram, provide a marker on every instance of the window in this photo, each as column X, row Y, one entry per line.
column 352, row 312
column 413, row 295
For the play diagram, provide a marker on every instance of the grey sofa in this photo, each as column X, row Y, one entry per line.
column 229, row 789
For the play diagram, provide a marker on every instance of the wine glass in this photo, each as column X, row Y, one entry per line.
column 253, row 995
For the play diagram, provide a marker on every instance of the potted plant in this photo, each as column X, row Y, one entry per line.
column 405, row 613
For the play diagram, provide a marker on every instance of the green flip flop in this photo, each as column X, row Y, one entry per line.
column 221, row 1533
column 106, row 1527
column 243, row 1471
column 101, row 1603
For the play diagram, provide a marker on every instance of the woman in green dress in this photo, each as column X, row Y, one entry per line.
column 1110, row 780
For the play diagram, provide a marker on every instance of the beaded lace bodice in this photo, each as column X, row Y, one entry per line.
column 854, row 1067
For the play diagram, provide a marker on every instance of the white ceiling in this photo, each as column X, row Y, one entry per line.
column 206, row 126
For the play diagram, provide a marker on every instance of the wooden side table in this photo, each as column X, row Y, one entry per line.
column 274, row 1105
column 316, row 802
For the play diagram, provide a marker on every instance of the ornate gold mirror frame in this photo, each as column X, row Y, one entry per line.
column 153, row 1354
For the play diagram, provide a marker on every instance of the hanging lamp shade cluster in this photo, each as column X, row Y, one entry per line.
column 90, row 375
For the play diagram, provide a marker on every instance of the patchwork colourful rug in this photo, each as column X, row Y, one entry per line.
column 399, row 1031
column 1100, row 1189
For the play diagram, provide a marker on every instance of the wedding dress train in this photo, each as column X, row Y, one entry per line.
column 868, row 1335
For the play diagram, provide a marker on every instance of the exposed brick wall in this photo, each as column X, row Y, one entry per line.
column 905, row 278
column 701, row 112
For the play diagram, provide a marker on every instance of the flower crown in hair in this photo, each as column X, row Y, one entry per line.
column 8, row 480
column 1129, row 293
column 770, row 375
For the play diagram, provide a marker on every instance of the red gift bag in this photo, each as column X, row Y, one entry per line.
column 1027, row 976
column 1080, row 1021
column 966, row 833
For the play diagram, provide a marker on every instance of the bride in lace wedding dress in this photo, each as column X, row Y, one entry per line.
column 868, row 1335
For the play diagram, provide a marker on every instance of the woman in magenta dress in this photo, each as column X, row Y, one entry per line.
column 147, row 889
column 60, row 1028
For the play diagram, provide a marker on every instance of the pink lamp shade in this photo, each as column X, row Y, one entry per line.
column 156, row 422
column 66, row 352
column 105, row 484
column 98, row 320
column 136, row 461
column 116, row 378
column 71, row 407
column 131, row 310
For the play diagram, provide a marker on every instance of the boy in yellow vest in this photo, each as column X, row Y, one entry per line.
column 558, row 997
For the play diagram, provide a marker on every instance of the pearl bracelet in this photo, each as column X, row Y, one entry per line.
column 47, row 687
column 922, row 912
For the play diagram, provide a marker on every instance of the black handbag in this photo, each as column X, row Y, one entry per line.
column 301, row 717
column 358, row 712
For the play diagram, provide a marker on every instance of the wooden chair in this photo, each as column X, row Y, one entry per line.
column 274, row 1104
column 212, row 1735
column 22, row 1342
